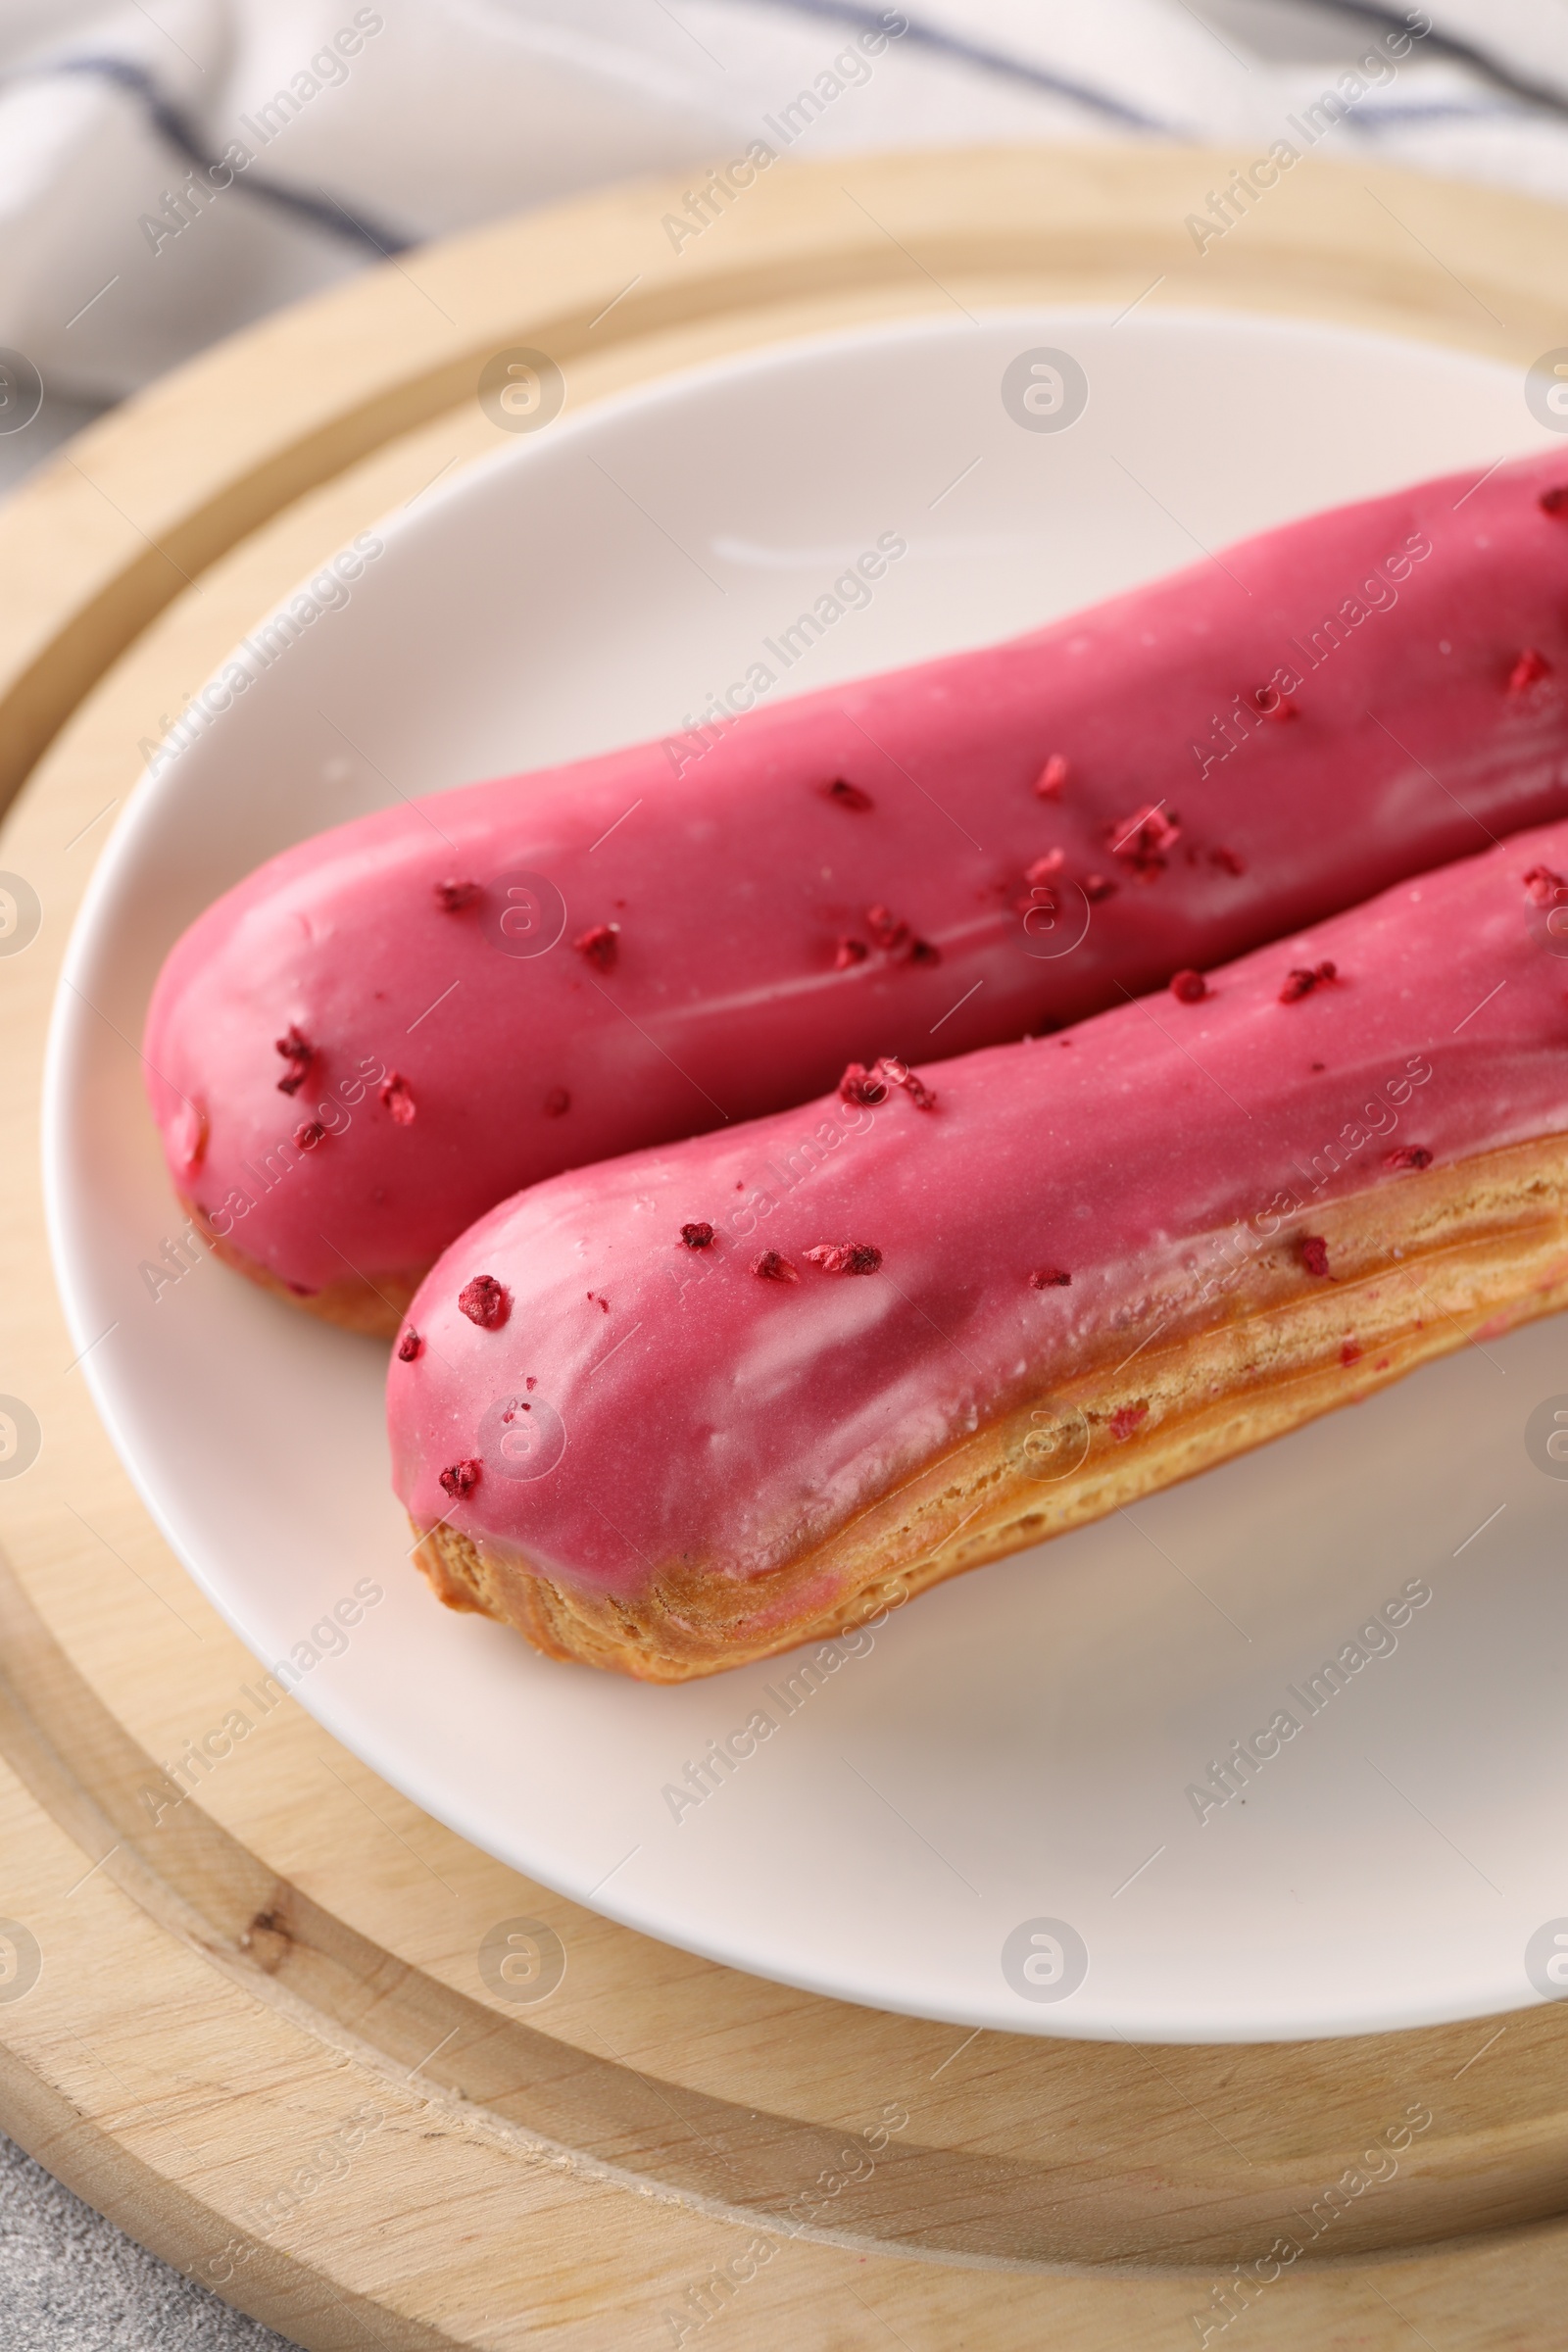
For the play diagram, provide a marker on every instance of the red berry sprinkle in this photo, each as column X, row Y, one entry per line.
column 848, row 952
column 1409, row 1156
column 892, row 935
column 889, row 931
column 1282, row 707
column 557, row 1102
column 1530, row 666
column 696, row 1237
column 299, row 1052
column 1300, row 981
column 1188, row 987
column 1096, row 888
column 409, row 1346
column 1555, row 500
column 1545, row 888
column 397, row 1097
column 460, row 1480
column 847, row 795
column 898, row 1073
column 845, row 1258
column 601, row 944
column 1044, row 868
column 1351, row 1353
column 485, row 1302
column 773, row 1268
column 1313, row 1251
column 861, row 1085
column 310, row 1134
column 1125, row 1420
column 1050, row 1278
column 1052, row 777
column 1228, row 861
column 449, row 896
column 1144, row 838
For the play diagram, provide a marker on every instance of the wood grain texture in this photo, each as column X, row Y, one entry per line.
column 225, row 1989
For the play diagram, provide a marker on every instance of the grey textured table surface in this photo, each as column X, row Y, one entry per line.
column 71, row 2283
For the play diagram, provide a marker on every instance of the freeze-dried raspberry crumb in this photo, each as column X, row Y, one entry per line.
column 1052, row 777
column 848, row 952
column 1313, row 1251
column 1545, row 888
column 449, row 896
column 847, row 795
column 1409, row 1156
column 696, row 1237
column 1144, row 838
column 1050, row 1278
column 1301, row 981
column 773, row 1268
column 861, row 1085
column 1044, row 868
column 1227, row 861
column 1530, row 666
column 1351, row 1353
column 1125, row 1419
column 898, row 1073
column 310, row 1134
column 409, row 1346
column 1096, row 887
column 397, row 1096
column 1188, row 987
column 299, row 1052
column 600, row 944
column 892, row 935
column 485, row 1302
column 1555, row 500
column 460, row 1480
column 845, row 1258
column 557, row 1102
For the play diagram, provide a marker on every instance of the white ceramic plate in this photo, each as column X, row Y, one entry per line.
column 1018, row 1746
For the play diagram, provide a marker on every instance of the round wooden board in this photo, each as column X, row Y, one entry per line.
column 258, row 2035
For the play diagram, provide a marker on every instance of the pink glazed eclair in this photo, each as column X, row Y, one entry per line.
column 706, row 1403
column 389, row 1028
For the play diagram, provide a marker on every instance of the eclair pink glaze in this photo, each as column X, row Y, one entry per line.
column 735, row 931
column 689, row 1410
